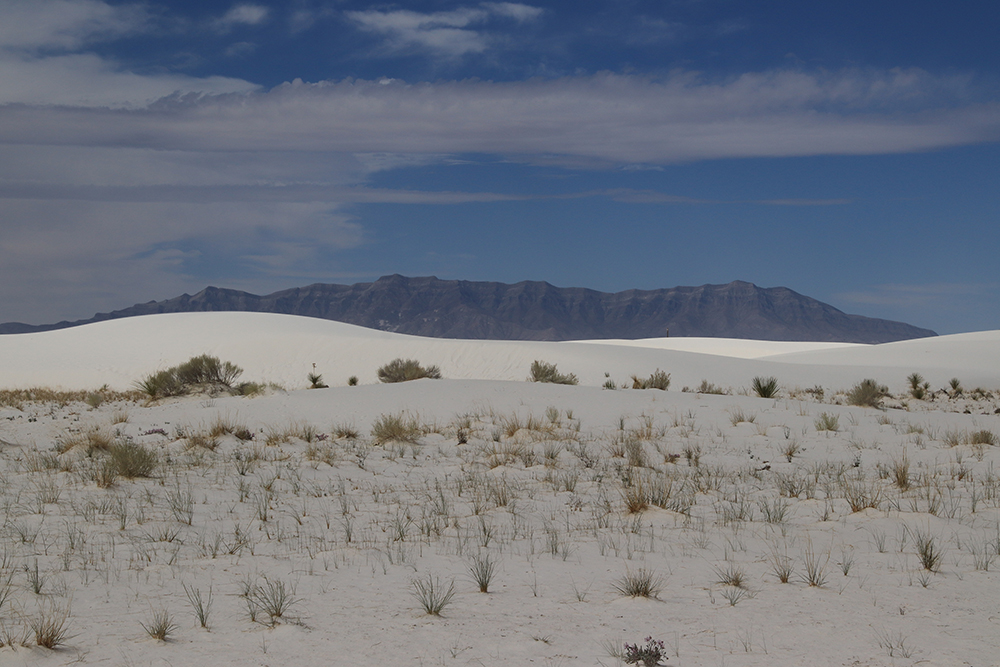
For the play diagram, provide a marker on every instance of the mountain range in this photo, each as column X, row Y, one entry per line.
column 539, row 311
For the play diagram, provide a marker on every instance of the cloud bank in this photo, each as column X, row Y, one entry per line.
column 609, row 117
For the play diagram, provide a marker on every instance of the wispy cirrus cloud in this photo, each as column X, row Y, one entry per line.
column 448, row 33
column 612, row 118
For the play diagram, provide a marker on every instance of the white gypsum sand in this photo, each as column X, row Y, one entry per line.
column 311, row 538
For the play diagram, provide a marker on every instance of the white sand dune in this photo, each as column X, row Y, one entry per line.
column 736, row 487
column 284, row 348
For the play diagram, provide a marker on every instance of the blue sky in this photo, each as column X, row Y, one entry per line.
column 846, row 150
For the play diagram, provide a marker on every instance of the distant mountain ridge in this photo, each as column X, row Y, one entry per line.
column 539, row 311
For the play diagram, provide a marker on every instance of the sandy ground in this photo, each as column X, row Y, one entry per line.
column 888, row 520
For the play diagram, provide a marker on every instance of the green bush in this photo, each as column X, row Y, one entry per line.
column 133, row 460
column 868, row 393
column 404, row 370
column 542, row 371
column 765, row 387
column 201, row 370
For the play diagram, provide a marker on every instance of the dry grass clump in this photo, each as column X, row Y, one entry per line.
column 983, row 437
column 641, row 583
column 867, row 393
column 404, row 370
column 827, row 422
column 432, row 595
column 160, row 625
column 16, row 398
column 133, row 460
column 50, row 627
column 396, row 428
column 542, row 371
column 657, row 380
column 93, row 440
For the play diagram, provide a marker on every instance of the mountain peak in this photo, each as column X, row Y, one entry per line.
column 534, row 310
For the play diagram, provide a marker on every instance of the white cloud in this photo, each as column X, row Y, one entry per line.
column 450, row 33
column 242, row 15
column 607, row 117
column 65, row 24
column 43, row 58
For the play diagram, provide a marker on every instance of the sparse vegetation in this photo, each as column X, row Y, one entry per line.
column 405, row 370
column 542, row 371
column 640, row 583
column 205, row 371
column 657, row 380
column 867, row 393
column 433, row 595
column 765, row 387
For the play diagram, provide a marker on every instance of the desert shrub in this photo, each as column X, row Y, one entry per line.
column 918, row 387
column 160, row 625
column 956, row 386
column 180, row 379
column 867, row 393
column 658, row 380
column 928, row 551
column 133, row 460
column 432, row 595
column 396, row 428
column 827, row 422
column 161, row 384
column 404, row 370
column 248, row 389
column 707, row 387
column 273, row 598
column 641, row 583
column 649, row 655
column 352, row 381
column 983, row 437
column 316, row 381
column 50, row 627
column 765, row 387
column 483, row 569
column 542, row 371
column 206, row 369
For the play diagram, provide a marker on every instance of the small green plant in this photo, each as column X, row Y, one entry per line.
column 404, row 370
column 867, row 393
column 648, row 655
column 731, row 575
column 316, row 381
column 483, row 569
column 956, row 387
column 641, row 583
column 432, row 595
column 352, row 381
column 202, row 606
column 160, row 626
column 928, row 551
column 273, row 598
column 918, row 387
column 827, row 422
column 545, row 372
column 765, row 387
